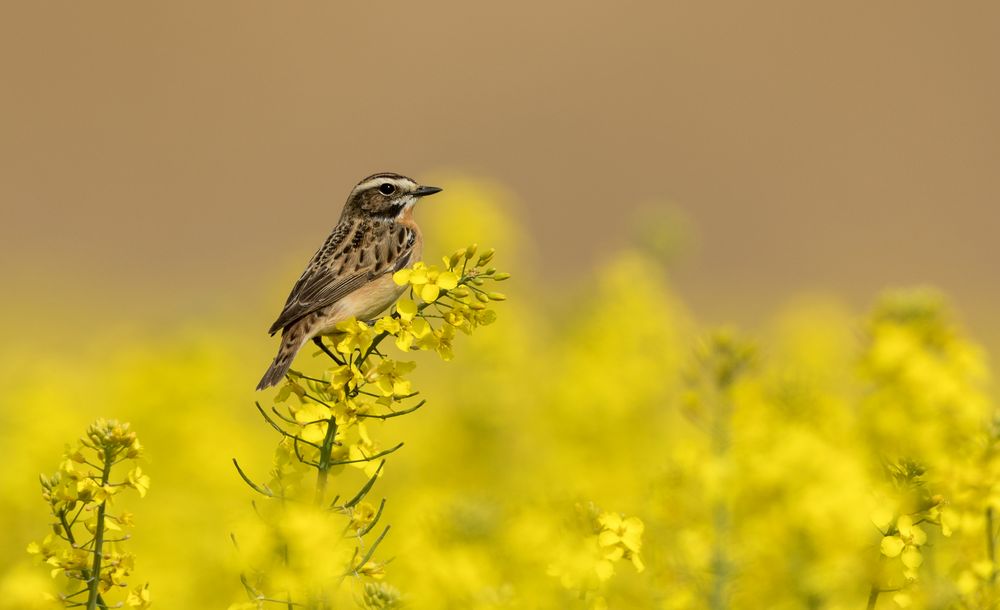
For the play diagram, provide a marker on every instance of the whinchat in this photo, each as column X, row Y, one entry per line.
column 351, row 273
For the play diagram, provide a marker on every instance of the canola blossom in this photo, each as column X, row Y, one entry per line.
column 594, row 447
column 307, row 544
column 85, row 548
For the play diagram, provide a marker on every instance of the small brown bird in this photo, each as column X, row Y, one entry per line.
column 351, row 273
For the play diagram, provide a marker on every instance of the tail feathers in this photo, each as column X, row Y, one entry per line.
column 290, row 345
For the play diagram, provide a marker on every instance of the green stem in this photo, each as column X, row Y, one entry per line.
column 68, row 528
column 991, row 549
column 95, row 570
column 326, row 449
column 873, row 597
column 720, row 511
column 323, row 466
column 720, row 563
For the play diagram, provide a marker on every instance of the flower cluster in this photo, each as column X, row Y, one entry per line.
column 327, row 420
column 926, row 378
column 381, row 596
column 85, row 546
column 905, row 543
column 620, row 538
column 454, row 294
column 586, row 558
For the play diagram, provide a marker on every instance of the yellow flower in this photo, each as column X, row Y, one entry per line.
column 426, row 281
column 459, row 316
column 313, row 418
column 138, row 597
column 910, row 533
column 406, row 328
column 619, row 538
column 139, row 481
column 362, row 450
column 905, row 544
column 388, row 324
column 388, row 377
column 345, row 378
column 91, row 491
column 381, row 596
column 911, row 557
column 352, row 335
column 362, row 516
column 892, row 546
column 406, row 309
column 346, row 411
column 440, row 341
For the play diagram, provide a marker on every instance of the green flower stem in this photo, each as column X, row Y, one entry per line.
column 720, row 523
column 720, row 511
column 991, row 548
column 324, row 465
column 95, row 571
column 873, row 597
column 326, row 449
column 68, row 529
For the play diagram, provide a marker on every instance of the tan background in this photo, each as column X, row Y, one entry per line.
column 184, row 152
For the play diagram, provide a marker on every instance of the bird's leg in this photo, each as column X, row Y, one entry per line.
column 319, row 341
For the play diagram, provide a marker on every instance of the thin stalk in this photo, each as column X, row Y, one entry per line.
column 323, row 466
column 717, row 597
column 68, row 528
column 991, row 546
column 95, row 570
column 873, row 597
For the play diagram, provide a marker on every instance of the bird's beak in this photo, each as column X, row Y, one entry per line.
column 423, row 191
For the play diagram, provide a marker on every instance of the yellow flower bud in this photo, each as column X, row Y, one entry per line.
column 486, row 257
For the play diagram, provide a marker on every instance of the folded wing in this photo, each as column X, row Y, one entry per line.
column 355, row 253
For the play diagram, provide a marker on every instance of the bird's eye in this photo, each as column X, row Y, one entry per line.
column 387, row 189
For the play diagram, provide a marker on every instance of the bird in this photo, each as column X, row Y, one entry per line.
column 351, row 273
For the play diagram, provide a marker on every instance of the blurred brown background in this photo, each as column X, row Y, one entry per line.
column 184, row 152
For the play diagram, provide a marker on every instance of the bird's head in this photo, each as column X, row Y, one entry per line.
column 385, row 196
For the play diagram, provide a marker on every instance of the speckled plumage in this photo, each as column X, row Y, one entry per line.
column 351, row 273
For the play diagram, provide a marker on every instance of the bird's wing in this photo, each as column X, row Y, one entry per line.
column 355, row 253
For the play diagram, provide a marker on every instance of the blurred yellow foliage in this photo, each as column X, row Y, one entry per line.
column 590, row 450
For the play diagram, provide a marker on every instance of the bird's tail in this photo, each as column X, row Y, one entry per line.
column 292, row 341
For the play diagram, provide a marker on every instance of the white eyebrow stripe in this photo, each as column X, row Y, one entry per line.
column 374, row 182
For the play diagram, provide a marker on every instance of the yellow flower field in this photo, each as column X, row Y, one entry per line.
column 588, row 446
